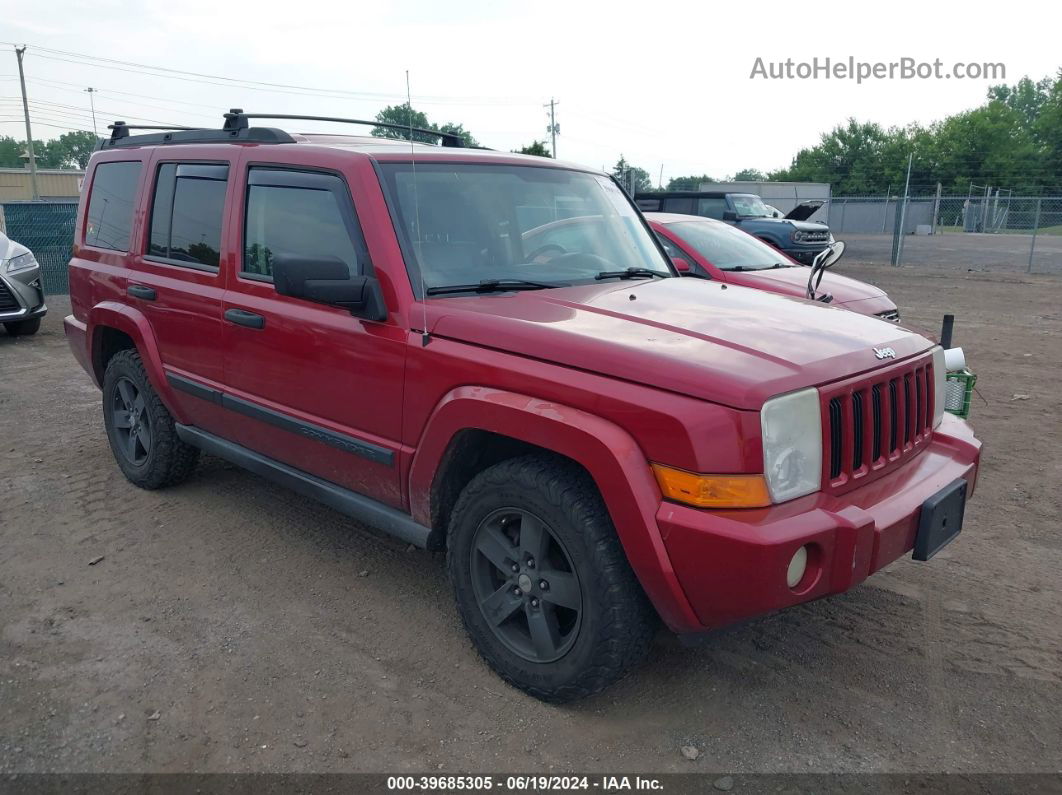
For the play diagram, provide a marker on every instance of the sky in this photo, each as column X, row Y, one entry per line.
column 667, row 84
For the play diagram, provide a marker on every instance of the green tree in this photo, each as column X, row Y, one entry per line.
column 1026, row 97
column 1048, row 132
column 749, row 175
column 633, row 178
column 406, row 116
column 1013, row 140
column 10, row 152
column 69, row 150
column 689, row 183
column 534, row 148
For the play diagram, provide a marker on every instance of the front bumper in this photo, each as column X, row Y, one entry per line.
column 21, row 296
column 732, row 564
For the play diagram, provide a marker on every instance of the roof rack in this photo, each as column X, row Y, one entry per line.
column 236, row 119
column 237, row 129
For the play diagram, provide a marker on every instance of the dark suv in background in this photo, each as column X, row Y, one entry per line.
column 793, row 234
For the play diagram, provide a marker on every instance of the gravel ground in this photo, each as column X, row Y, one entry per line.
column 228, row 625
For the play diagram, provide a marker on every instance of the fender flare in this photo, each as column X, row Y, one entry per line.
column 132, row 322
column 610, row 454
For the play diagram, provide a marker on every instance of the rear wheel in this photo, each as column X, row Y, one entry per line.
column 23, row 328
column 140, row 429
column 541, row 581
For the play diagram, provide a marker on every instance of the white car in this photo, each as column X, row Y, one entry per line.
column 21, row 294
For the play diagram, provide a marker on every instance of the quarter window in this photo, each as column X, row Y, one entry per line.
column 298, row 214
column 187, row 212
column 110, row 208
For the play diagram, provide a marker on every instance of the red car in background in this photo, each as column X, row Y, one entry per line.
column 716, row 250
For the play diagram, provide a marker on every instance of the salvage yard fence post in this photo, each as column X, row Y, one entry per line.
column 1036, row 228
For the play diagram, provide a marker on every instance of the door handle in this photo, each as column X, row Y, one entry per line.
column 142, row 292
column 241, row 317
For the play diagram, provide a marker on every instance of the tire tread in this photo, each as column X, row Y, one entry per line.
column 630, row 622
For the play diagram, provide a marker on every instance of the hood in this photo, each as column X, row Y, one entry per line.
column 729, row 345
column 804, row 210
column 794, row 281
column 9, row 249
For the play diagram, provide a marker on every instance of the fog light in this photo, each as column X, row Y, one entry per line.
column 797, row 566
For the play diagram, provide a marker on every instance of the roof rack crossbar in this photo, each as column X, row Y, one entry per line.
column 121, row 130
column 236, row 119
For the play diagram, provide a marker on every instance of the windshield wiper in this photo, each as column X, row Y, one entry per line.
column 491, row 286
column 630, row 273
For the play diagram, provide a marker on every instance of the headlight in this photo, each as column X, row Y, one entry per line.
column 940, row 378
column 792, row 444
column 22, row 262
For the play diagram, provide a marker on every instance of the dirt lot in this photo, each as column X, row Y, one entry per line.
column 232, row 626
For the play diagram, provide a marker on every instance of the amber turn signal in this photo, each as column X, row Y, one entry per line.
column 712, row 491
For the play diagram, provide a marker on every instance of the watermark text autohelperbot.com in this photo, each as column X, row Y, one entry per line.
column 860, row 71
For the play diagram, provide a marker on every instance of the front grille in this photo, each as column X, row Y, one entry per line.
column 873, row 423
column 892, row 315
column 8, row 302
column 815, row 237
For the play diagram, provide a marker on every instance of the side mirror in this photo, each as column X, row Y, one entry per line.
column 681, row 265
column 326, row 280
column 730, row 215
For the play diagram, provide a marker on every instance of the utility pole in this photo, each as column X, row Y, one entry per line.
column 92, row 104
column 553, row 128
column 29, row 132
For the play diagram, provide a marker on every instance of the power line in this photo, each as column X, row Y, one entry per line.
column 84, row 59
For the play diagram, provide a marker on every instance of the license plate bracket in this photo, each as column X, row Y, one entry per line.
column 940, row 520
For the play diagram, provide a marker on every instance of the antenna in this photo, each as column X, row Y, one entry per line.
column 425, row 337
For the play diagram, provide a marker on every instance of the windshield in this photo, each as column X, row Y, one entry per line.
column 747, row 205
column 466, row 224
column 727, row 247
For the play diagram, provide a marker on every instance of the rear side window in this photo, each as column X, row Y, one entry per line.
column 187, row 212
column 680, row 204
column 110, row 207
column 296, row 213
column 712, row 208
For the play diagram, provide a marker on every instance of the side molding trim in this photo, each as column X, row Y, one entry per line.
column 340, row 441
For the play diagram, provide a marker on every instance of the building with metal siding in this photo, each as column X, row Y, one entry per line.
column 53, row 184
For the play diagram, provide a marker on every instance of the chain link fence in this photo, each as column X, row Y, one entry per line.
column 997, row 231
column 46, row 229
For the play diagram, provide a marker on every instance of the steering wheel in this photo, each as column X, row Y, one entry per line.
column 546, row 249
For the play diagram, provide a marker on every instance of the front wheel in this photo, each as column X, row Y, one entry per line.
column 541, row 581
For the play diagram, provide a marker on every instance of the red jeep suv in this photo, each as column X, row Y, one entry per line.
column 406, row 333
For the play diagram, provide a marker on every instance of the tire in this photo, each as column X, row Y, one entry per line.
column 144, row 441
column 600, row 623
column 23, row 328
